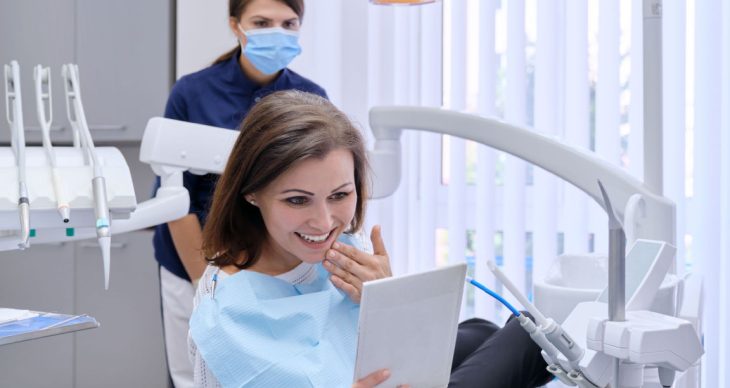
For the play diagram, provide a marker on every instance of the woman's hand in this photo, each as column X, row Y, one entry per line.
column 350, row 267
column 372, row 379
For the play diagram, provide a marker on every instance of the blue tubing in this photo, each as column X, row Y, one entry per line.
column 494, row 295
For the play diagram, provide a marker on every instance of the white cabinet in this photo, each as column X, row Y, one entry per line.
column 41, row 279
column 124, row 50
column 126, row 350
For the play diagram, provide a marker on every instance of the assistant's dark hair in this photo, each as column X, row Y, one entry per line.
column 236, row 8
column 281, row 130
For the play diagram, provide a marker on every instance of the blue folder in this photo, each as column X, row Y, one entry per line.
column 44, row 325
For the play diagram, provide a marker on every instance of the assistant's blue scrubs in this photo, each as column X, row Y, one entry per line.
column 220, row 95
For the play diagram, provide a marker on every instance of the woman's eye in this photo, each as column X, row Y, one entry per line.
column 339, row 196
column 290, row 25
column 260, row 23
column 298, row 201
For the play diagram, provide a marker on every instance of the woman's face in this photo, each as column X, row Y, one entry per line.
column 265, row 14
column 306, row 208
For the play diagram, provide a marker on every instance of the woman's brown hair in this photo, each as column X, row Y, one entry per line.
column 236, row 8
column 282, row 129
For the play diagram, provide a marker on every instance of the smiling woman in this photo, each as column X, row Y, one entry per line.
column 295, row 180
column 305, row 210
column 294, row 184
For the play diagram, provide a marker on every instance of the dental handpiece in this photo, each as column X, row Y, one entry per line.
column 103, row 231
column 12, row 92
column 549, row 351
column 78, row 122
column 42, row 77
column 539, row 318
column 548, row 327
column 24, row 211
column 101, row 211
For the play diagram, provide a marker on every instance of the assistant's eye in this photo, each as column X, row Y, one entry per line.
column 340, row 195
column 291, row 25
column 297, row 201
column 261, row 23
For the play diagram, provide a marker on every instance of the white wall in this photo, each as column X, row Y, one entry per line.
column 202, row 34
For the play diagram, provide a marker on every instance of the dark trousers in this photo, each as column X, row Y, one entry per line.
column 491, row 357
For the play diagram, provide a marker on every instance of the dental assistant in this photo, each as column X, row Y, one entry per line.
column 220, row 95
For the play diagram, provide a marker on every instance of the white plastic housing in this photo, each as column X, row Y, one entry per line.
column 647, row 338
column 200, row 148
column 76, row 177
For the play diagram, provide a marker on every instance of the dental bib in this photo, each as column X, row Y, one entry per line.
column 261, row 331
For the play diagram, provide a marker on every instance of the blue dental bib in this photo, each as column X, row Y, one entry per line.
column 261, row 331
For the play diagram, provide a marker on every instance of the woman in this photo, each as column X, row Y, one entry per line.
column 278, row 306
column 220, row 95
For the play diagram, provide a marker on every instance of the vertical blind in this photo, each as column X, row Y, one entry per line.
column 569, row 69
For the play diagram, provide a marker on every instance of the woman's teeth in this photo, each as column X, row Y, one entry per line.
column 314, row 239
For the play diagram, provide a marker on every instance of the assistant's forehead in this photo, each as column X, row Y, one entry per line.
column 270, row 9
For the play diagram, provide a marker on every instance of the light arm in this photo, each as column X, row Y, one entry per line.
column 572, row 164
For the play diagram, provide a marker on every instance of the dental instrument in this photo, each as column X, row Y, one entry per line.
column 70, row 74
column 169, row 146
column 42, row 78
column 549, row 351
column 547, row 330
column 552, row 331
column 14, row 112
column 71, row 110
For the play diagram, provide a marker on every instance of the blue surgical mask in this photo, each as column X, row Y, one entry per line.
column 270, row 49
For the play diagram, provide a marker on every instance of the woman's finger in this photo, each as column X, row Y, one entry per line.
column 346, row 276
column 376, row 237
column 372, row 379
column 348, row 264
column 352, row 292
column 353, row 253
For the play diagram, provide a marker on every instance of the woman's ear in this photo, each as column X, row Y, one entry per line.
column 234, row 25
column 250, row 198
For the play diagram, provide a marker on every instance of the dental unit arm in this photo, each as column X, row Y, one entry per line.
column 103, row 196
column 655, row 339
column 170, row 147
column 644, row 214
